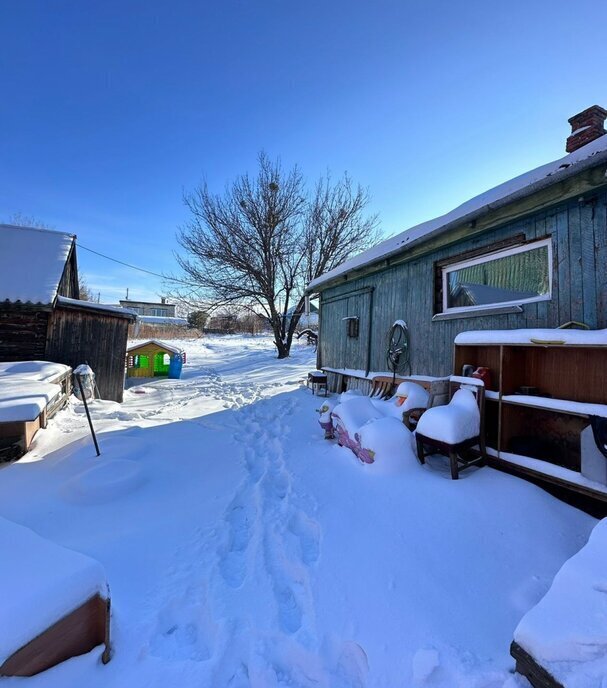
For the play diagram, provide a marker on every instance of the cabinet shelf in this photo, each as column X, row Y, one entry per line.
column 573, row 408
column 539, row 436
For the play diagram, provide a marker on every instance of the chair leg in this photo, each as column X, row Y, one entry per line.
column 483, row 449
column 454, row 465
column 420, row 450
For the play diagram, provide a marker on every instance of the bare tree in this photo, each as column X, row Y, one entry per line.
column 265, row 238
column 84, row 292
column 18, row 219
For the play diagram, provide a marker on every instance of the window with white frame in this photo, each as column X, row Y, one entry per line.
column 513, row 276
column 159, row 312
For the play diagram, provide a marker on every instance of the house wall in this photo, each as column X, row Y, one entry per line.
column 407, row 291
column 77, row 336
column 22, row 332
column 148, row 308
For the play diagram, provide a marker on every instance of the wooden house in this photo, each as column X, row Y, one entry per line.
column 41, row 317
column 530, row 253
column 151, row 358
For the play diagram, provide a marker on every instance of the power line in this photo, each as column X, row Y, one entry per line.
column 134, row 267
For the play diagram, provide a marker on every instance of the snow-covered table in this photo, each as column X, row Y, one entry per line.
column 56, row 606
column 30, row 393
column 562, row 641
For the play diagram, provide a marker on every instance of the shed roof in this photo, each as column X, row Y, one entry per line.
column 32, row 261
column 590, row 155
column 158, row 343
column 107, row 309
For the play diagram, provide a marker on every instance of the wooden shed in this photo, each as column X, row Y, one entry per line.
column 151, row 358
column 41, row 317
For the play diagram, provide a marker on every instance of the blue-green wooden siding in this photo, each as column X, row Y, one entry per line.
column 406, row 291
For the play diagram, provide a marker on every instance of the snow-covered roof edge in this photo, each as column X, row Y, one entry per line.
column 162, row 345
column 92, row 306
column 590, row 155
column 46, row 266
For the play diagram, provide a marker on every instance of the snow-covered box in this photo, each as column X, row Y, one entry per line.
column 58, row 605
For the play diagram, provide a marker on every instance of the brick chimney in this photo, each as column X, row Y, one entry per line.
column 586, row 127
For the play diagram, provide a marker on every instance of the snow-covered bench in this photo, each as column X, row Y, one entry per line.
column 368, row 425
column 55, row 603
column 31, row 392
column 562, row 641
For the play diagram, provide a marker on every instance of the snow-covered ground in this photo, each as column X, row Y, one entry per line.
column 242, row 549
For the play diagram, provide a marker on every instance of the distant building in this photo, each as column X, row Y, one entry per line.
column 155, row 309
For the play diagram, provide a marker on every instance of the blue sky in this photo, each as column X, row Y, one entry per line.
column 111, row 109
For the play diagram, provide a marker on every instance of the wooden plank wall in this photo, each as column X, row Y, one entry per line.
column 22, row 332
column 406, row 291
column 68, row 285
column 77, row 337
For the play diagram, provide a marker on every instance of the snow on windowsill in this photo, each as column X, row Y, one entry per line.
column 477, row 313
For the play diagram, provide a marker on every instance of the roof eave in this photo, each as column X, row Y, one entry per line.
column 593, row 161
column 82, row 306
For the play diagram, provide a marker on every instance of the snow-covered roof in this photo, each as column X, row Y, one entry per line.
column 162, row 345
column 162, row 320
column 591, row 154
column 92, row 306
column 31, row 263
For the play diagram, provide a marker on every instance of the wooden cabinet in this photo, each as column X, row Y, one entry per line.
column 537, row 430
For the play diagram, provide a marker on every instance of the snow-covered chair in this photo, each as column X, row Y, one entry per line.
column 415, row 401
column 408, row 396
column 456, row 427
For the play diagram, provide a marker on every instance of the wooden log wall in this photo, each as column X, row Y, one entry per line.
column 407, row 291
column 22, row 332
column 92, row 337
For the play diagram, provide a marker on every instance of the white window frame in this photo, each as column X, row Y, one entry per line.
column 494, row 255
